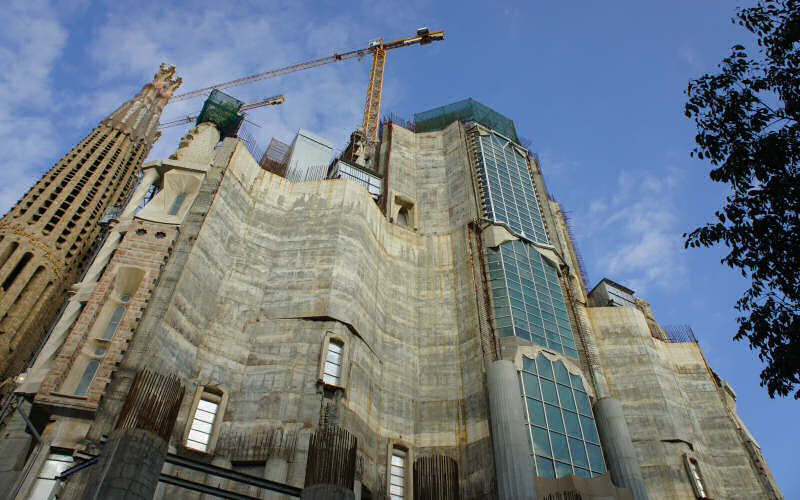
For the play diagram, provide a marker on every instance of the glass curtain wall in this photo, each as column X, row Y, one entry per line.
column 529, row 302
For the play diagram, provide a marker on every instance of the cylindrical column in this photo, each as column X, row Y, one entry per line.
column 129, row 466
column 512, row 460
column 148, row 179
column 276, row 469
column 618, row 447
column 326, row 492
column 198, row 144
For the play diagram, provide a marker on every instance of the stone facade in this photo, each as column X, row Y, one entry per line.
column 255, row 277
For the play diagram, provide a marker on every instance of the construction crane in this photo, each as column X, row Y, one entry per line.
column 269, row 101
column 372, row 106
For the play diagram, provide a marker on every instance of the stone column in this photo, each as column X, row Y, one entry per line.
column 148, row 179
column 618, row 447
column 275, row 470
column 129, row 466
column 512, row 461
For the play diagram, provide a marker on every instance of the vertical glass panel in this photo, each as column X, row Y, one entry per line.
column 86, row 378
column 572, row 423
column 562, row 375
column 528, row 364
column 545, row 366
column 565, row 394
column 113, row 323
column 541, row 442
column 563, row 469
column 583, row 403
column 589, row 430
column 577, row 382
column 536, row 412
column 544, row 467
column 560, row 447
column 554, row 418
column 176, row 204
column 549, row 391
column 578, row 453
column 596, row 458
column 582, row 472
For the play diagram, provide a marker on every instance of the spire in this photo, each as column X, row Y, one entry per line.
column 47, row 238
column 140, row 116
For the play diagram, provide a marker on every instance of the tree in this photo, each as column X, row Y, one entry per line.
column 747, row 120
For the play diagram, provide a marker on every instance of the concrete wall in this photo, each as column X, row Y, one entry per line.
column 673, row 407
column 277, row 266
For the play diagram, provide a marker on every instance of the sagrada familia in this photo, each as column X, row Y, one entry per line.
column 409, row 321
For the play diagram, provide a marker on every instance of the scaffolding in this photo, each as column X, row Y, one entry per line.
column 275, row 157
column 680, row 333
column 223, row 111
column 466, row 110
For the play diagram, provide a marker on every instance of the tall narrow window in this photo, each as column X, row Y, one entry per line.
column 176, row 205
column 116, row 318
column 332, row 374
column 203, row 422
column 397, row 474
column 698, row 484
column 86, row 378
column 17, row 270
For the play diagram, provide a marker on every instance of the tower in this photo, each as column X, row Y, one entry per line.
column 47, row 238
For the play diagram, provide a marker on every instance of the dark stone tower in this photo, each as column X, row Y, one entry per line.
column 47, row 238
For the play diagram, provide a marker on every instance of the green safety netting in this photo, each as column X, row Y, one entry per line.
column 466, row 110
column 223, row 111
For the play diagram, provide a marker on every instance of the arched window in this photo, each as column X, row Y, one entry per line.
column 402, row 216
column 176, row 205
column 116, row 318
column 563, row 435
column 86, row 378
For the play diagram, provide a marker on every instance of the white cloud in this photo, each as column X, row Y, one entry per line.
column 30, row 45
column 41, row 118
column 637, row 227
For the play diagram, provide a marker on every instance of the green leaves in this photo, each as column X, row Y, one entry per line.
column 747, row 122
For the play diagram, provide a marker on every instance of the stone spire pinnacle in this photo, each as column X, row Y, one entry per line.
column 140, row 116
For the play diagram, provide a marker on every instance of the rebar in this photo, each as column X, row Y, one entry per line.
column 436, row 478
column 152, row 404
column 331, row 457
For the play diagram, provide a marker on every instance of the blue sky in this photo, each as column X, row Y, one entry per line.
column 596, row 86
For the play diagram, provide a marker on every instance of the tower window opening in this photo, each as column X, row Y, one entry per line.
column 176, row 205
column 397, row 474
column 113, row 323
column 203, row 422
column 16, row 271
column 332, row 373
column 86, row 379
